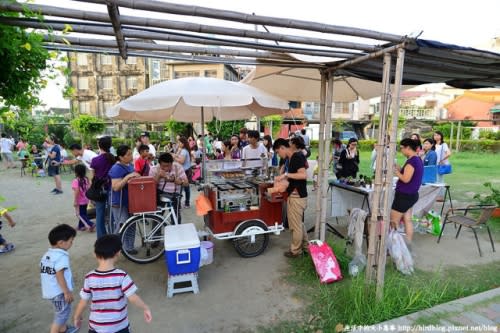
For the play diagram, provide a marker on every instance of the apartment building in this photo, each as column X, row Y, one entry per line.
column 102, row 80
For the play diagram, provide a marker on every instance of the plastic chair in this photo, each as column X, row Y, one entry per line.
column 470, row 222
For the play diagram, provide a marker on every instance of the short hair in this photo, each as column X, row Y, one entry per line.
column 280, row 143
column 303, row 131
column 412, row 144
column 143, row 148
column 75, row 146
column 244, row 130
column 351, row 140
column 165, row 158
column 253, row 134
column 107, row 246
column 4, row 135
column 122, row 150
column 62, row 232
column 298, row 142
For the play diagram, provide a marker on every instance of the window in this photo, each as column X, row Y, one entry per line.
column 182, row 74
column 106, row 59
column 106, row 105
column 107, row 82
column 211, row 73
column 131, row 61
column 81, row 59
column 131, row 82
column 155, row 70
column 341, row 107
column 83, row 83
column 84, row 107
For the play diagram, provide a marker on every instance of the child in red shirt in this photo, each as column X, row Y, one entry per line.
column 141, row 165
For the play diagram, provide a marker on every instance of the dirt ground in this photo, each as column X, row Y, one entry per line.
column 236, row 294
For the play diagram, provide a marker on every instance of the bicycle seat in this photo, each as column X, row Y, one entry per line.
column 165, row 199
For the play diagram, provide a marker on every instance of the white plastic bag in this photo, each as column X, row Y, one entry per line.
column 203, row 256
column 399, row 252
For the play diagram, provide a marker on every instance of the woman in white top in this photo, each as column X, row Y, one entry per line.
column 443, row 153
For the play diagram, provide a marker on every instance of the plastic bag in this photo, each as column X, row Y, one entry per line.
column 399, row 252
column 325, row 262
column 435, row 223
column 203, row 256
column 357, row 264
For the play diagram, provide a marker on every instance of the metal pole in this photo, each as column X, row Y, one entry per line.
column 459, row 134
column 204, row 150
column 451, row 136
column 392, row 152
column 379, row 167
column 325, row 153
column 321, row 143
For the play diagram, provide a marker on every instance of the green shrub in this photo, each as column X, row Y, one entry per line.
column 492, row 146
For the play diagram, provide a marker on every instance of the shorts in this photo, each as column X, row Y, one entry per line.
column 62, row 310
column 403, row 202
column 7, row 157
column 125, row 330
column 53, row 170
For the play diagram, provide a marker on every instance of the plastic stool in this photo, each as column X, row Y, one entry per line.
column 173, row 279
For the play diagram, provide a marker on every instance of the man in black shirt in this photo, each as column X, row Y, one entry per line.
column 295, row 173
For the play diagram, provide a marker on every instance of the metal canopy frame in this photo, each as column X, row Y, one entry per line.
column 426, row 62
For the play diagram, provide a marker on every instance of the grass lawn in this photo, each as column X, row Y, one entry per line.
column 350, row 301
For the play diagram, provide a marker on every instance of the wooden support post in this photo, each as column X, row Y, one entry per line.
column 325, row 153
column 388, row 184
column 459, row 134
column 379, row 167
column 321, row 142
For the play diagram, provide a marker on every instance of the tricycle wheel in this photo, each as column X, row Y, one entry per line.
column 250, row 244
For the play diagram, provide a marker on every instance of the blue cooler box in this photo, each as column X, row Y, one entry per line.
column 182, row 249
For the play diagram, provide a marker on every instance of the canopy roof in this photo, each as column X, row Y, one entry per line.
column 495, row 109
column 359, row 56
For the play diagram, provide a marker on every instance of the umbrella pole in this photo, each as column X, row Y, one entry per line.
column 203, row 151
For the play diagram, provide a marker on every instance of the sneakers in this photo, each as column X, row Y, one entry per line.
column 6, row 248
column 71, row 329
column 57, row 191
column 54, row 190
column 82, row 229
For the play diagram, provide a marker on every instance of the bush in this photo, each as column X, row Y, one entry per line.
column 492, row 146
column 489, row 135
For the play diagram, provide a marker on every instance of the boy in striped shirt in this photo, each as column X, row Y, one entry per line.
column 108, row 288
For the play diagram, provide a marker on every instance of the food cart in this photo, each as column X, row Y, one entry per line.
column 242, row 209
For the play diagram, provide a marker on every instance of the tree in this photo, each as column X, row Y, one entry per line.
column 176, row 128
column 87, row 126
column 23, row 61
column 274, row 122
column 224, row 129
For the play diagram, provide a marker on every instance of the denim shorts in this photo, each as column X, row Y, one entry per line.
column 62, row 310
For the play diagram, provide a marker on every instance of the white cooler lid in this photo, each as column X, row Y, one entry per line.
column 181, row 236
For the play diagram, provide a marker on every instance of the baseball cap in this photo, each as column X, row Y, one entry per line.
column 145, row 134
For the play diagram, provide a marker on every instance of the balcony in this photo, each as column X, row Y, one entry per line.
column 416, row 112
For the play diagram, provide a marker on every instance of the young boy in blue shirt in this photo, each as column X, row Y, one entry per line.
column 56, row 277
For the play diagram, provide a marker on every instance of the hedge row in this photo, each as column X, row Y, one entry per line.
column 492, row 146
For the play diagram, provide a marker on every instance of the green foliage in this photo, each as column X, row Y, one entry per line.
column 176, row 128
column 489, row 135
column 275, row 121
column 87, row 126
column 23, row 60
column 464, row 129
column 492, row 146
column 224, row 129
column 352, row 301
column 492, row 198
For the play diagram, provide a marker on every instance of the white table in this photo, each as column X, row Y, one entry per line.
column 346, row 197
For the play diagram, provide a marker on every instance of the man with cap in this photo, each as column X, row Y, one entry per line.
column 145, row 141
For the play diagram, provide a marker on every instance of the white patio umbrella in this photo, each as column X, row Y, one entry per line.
column 197, row 99
column 304, row 84
column 184, row 99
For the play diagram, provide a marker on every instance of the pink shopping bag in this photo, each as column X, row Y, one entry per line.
column 325, row 262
